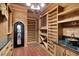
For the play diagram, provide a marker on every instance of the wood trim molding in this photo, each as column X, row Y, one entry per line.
column 15, row 7
column 49, row 7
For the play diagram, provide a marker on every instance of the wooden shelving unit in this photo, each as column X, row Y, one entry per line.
column 43, row 31
column 52, row 48
column 52, row 25
column 44, row 34
column 42, row 38
column 43, row 28
column 69, row 11
column 32, row 30
column 76, row 18
column 32, row 26
column 62, row 15
column 52, row 30
column 67, row 19
column 6, row 29
column 58, row 18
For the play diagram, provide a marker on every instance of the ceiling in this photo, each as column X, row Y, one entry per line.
column 31, row 10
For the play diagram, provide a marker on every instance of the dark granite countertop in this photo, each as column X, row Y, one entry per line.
column 4, row 42
column 1, row 47
column 64, row 43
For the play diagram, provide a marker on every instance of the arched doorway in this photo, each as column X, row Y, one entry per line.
column 18, row 34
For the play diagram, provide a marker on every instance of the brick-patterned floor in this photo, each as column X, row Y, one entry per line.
column 31, row 50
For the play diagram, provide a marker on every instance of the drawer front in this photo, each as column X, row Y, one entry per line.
column 74, row 54
column 68, row 53
column 60, row 51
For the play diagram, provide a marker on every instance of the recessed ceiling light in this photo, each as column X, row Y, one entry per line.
column 42, row 4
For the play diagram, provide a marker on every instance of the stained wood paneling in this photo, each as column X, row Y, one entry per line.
column 19, row 13
column 32, row 30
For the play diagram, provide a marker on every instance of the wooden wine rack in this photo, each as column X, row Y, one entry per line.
column 32, row 30
column 53, row 25
column 52, row 47
column 52, row 30
column 59, row 17
column 43, row 31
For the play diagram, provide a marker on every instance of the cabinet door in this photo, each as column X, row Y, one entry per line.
column 68, row 53
column 74, row 54
column 60, row 51
column 71, row 53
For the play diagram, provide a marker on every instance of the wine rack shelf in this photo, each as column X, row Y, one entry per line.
column 43, row 31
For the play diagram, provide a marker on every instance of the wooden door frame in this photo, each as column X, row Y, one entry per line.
column 14, row 36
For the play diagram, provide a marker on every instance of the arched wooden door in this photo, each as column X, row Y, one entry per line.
column 18, row 34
